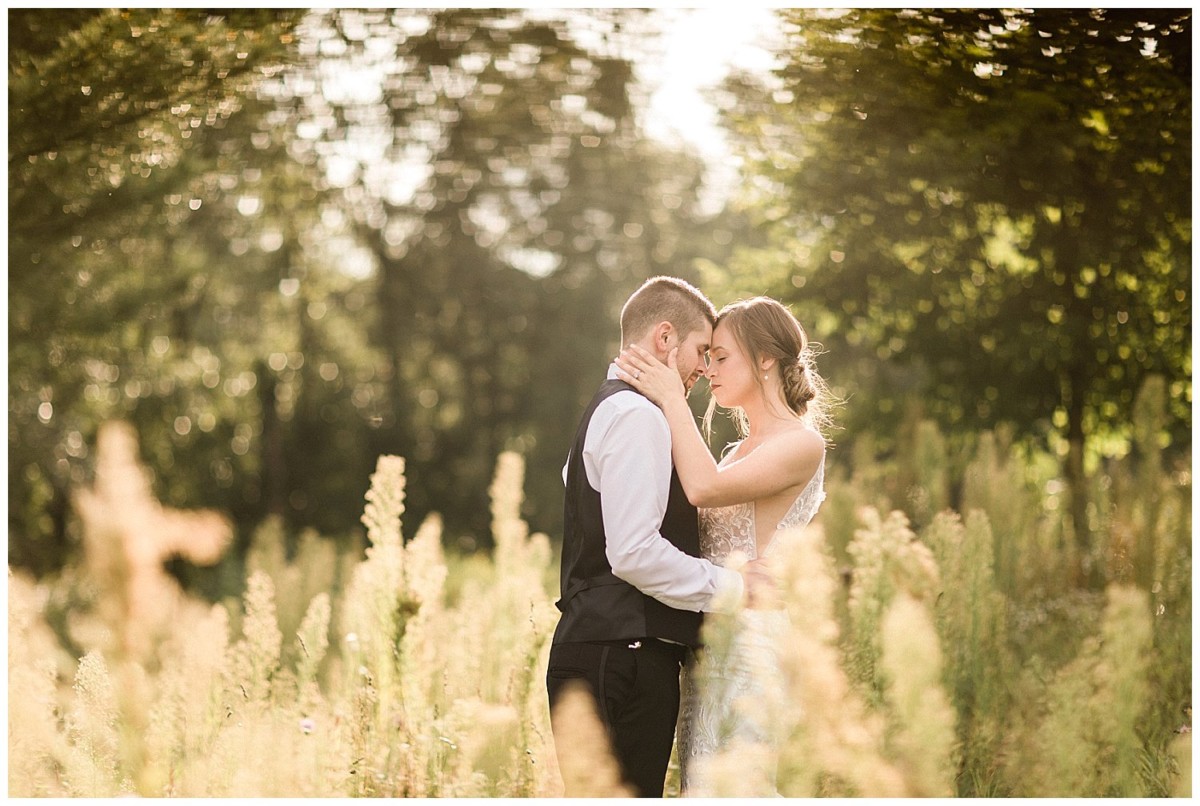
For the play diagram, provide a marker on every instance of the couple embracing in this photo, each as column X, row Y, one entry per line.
column 650, row 520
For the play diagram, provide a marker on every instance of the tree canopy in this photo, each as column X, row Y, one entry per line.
column 132, row 134
column 999, row 200
column 284, row 242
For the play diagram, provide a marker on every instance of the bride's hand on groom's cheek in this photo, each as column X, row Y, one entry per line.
column 654, row 379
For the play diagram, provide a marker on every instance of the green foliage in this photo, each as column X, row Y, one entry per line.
column 887, row 560
column 994, row 483
column 277, row 278
column 132, row 138
column 510, row 211
column 992, row 203
column 973, row 624
column 1022, row 648
column 285, row 243
column 1088, row 741
column 930, row 492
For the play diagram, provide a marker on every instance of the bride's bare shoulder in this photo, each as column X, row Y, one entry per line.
column 805, row 450
column 805, row 437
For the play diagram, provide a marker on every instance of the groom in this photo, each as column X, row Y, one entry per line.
column 633, row 584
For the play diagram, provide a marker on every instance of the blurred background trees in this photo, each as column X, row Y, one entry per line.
column 990, row 211
column 282, row 243
column 133, row 290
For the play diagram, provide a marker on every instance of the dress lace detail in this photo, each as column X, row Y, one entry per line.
column 724, row 530
column 730, row 695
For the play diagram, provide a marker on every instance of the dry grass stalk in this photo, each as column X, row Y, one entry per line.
column 128, row 535
column 833, row 737
column 585, row 758
column 436, row 696
column 93, row 725
column 922, row 720
column 34, row 742
column 256, row 656
column 316, row 567
column 742, row 769
column 1080, row 737
column 191, row 706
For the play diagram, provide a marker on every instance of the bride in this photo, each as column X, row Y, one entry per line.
column 760, row 366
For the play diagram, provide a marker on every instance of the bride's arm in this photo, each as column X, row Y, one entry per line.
column 787, row 460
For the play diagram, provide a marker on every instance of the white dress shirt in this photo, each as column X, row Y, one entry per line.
column 627, row 457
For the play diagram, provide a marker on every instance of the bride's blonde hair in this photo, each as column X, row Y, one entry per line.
column 764, row 328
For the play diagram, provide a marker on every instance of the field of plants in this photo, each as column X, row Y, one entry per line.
column 937, row 651
column 264, row 262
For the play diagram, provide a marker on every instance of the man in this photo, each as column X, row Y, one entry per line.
column 633, row 583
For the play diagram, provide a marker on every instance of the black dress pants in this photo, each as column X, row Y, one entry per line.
column 635, row 684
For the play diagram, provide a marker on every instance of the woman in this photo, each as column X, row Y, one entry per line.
column 760, row 366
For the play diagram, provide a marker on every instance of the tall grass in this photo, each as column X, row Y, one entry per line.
column 928, row 652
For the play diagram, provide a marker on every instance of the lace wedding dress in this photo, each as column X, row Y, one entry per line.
column 731, row 694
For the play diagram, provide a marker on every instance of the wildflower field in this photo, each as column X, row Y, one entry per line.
column 935, row 651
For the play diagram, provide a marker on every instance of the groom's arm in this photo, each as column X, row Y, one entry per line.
column 627, row 456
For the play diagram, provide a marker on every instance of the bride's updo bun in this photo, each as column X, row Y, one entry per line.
column 798, row 388
column 764, row 329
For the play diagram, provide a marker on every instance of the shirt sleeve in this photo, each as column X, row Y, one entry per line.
column 627, row 456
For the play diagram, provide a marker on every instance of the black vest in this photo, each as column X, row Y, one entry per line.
column 595, row 604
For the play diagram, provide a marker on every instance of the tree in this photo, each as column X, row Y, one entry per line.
column 127, row 129
column 511, row 206
column 283, row 243
column 999, row 197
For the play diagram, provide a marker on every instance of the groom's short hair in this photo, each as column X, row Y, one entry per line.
column 665, row 299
